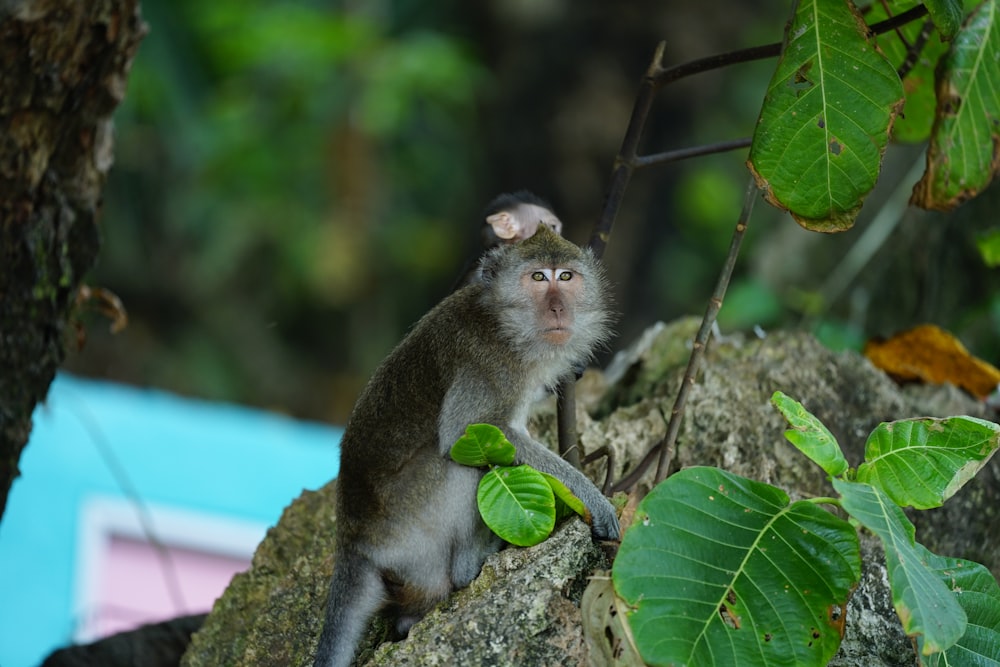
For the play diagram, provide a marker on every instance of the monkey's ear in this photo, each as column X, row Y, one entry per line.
column 504, row 225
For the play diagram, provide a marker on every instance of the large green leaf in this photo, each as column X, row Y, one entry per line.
column 923, row 462
column 825, row 121
column 976, row 590
column 483, row 444
column 810, row 435
column 924, row 604
column 517, row 504
column 722, row 570
column 963, row 155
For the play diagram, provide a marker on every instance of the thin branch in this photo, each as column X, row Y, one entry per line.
column 628, row 482
column 913, row 50
column 625, row 161
column 890, row 24
column 701, row 340
column 899, row 31
column 693, row 151
column 677, row 72
column 624, row 166
column 668, row 445
column 718, row 61
column 566, row 422
column 871, row 240
column 121, row 476
column 609, row 454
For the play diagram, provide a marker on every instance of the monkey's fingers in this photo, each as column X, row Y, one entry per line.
column 603, row 522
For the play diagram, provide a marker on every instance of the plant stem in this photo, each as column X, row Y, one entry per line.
column 625, row 160
column 694, row 151
column 701, row 339
column 566, row 422
column 824, row 501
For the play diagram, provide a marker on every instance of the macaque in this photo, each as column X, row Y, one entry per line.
column 516, row 217
column 408, row 529
column 511, row 218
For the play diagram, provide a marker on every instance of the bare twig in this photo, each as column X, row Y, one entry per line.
column 628, row 482
column 701, row 339
column 664, row 452
column 624, row 166
column 677, row 72
column 609, row 454
column 625, row 160
column 693, row 151
column 913, row 50
column 566, row 422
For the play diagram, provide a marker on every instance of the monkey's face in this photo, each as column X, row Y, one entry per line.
column 549, row 296
column 554, row 292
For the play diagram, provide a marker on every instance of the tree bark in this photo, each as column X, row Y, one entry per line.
column 63, row 67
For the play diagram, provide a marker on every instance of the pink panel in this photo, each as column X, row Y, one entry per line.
column 135, row 584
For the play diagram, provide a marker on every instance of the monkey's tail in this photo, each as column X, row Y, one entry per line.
column 356, row 593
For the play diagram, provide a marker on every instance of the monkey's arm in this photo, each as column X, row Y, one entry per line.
column 603, row 518
column 467, row 403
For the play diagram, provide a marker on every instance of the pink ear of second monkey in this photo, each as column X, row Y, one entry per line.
column 504, row 225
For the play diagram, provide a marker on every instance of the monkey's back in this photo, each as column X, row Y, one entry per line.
column 390, row 453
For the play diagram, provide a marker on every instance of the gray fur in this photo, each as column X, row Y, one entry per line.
column 408, row 530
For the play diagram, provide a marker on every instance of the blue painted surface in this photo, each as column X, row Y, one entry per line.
column 188, row 454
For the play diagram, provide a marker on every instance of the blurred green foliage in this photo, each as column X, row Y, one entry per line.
column 297, row 183
column 268, row 155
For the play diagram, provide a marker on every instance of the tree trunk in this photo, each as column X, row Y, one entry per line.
column 63, row 67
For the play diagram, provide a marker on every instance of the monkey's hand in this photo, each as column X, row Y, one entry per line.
column 602, row 517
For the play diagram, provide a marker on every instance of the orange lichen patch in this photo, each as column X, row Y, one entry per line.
column 930, row 354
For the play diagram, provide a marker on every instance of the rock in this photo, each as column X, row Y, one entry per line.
column 524, row 608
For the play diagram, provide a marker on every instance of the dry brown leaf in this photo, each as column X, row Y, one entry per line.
column 930, row 354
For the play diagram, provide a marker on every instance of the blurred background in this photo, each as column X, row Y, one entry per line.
column 297, row 183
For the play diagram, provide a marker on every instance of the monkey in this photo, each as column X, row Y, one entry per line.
column 516, row 217
column 510, row 218
column 408, row 529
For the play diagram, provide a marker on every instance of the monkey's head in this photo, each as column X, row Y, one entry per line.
column 552, row 297
column 516, row 217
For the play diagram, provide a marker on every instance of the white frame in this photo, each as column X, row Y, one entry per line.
column 102, row 517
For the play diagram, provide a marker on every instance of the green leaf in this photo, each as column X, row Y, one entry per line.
column 915, row 121
column 810, row 435
column 517, row 504
column 989, row 247
column 825, row 121
column 924, row 604
column 722, row 570
column 946, row 14
column 963, row 155
column 977, row 592
column 566, row 502
column 923, row 462
column 483, row 444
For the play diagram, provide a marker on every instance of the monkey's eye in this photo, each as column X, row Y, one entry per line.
column 565, row 275
column 538, row 276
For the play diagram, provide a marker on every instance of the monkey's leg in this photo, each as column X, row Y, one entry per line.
column 356, row 593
